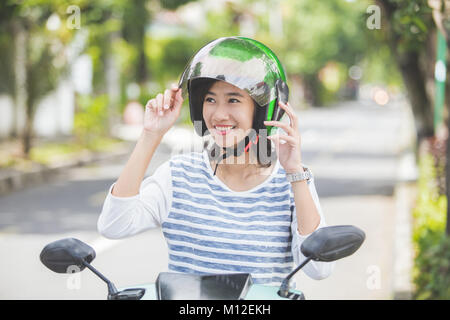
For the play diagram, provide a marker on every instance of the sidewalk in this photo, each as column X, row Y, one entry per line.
column 14, row 179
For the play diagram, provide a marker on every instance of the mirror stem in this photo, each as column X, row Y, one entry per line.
column 111, row 287
column 284, row 288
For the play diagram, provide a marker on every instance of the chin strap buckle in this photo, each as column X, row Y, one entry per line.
column 226, row 153
column 254, row 142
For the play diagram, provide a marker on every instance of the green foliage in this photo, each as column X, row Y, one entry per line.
column 173, row 4
column 379, row 67
column 169, row 56
column 7, row 77
column 45, row 67
column 429, row 213
column 90, row 121
column 48, row 153
column 44, row 53
column 323, row 31
column 431, row 273
column 167, row 59
column 101, row 24
column 317, row 33
column 412, row 20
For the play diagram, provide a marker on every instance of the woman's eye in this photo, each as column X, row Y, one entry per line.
column 209, row 100
column 236, row 100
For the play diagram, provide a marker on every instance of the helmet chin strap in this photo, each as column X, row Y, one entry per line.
column 242, row 146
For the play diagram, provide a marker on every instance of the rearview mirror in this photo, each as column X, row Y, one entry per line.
column 58, row 256
column 332, row 243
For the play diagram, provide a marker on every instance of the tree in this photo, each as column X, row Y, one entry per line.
column 314, row 34
column 38, row 57
column 118, row 27
column 407, row 28
column 135, row 20
column 441, row 17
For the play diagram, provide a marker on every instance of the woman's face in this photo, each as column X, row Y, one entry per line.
column 228, row 113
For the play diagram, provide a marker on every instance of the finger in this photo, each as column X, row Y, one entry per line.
column 283, row 139
column 167, row 99
column 276, row 141
column 149, row 109
column 290, row 112
column 178, row 100
column 150, row 104
column 174, row 87
column 159, row 103
column 154, row 105
column 174, row 91
column 286, row 127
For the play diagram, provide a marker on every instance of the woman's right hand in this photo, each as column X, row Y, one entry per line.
column 162, row 111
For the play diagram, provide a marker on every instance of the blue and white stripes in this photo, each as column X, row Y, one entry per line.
column 212, row 229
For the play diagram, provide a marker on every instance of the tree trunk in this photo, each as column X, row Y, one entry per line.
column 20, row 76
column 112, row 80
column 413, row 76
column 135, row 21
column 27, row 134
column 438, row 17
column 312, row 90
column 415, row 83
column 141, row 72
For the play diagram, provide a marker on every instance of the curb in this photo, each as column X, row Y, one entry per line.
column 405, row 193
column 19, row 180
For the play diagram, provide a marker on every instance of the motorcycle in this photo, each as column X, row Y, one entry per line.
column 325, row 244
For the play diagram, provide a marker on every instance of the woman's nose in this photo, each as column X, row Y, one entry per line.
column 221, row 113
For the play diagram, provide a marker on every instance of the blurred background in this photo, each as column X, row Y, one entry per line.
column 368, row 80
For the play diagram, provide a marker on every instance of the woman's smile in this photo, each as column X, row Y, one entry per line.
column 224, row 129
column 228, row 113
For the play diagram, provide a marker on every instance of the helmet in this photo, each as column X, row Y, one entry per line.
column 244, row 63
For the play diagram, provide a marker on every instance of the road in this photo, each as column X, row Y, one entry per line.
column 352, row 149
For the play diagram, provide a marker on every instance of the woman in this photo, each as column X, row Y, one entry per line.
column 238, row 206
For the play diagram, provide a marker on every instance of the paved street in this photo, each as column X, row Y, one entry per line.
column 352, row 149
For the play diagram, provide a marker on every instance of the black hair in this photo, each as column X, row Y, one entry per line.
column 263, row 151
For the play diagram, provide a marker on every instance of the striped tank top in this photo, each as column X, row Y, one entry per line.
column 212, row 229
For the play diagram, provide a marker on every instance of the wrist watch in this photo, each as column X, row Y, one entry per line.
column 306, row 174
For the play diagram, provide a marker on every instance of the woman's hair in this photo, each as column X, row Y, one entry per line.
column 263, row 151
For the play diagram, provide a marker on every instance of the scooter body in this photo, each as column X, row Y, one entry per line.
column 256, row 292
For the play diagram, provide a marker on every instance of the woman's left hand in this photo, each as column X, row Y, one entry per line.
column 289, row 153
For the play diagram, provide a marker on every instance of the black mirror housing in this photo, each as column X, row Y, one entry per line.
column 332, row 243
column 59, row 255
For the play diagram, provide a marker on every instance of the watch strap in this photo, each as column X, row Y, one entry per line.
column 300, row 176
